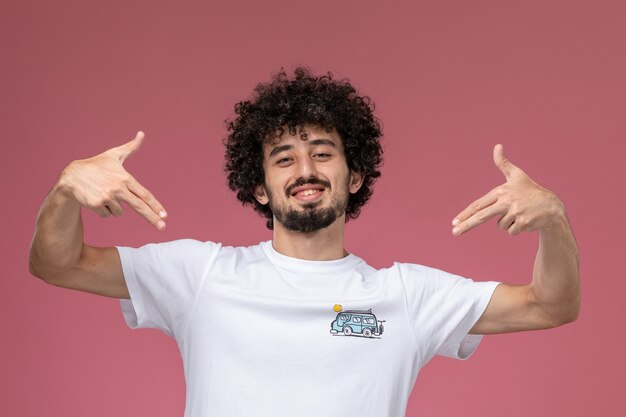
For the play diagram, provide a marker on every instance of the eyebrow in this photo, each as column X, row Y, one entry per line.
column 313, row 142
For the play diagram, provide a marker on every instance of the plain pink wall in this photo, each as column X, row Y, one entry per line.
column 449, row 79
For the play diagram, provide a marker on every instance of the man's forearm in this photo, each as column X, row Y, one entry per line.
column 58, row 239
column 556, row 282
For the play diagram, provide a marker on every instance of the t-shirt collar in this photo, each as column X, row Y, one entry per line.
column 295, row 264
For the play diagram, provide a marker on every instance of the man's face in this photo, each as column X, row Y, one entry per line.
column 307, row 182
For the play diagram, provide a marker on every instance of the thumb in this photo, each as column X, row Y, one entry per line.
column 129, row 148
column 504, row 165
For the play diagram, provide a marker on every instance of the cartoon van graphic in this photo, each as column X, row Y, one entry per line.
column 357, row 322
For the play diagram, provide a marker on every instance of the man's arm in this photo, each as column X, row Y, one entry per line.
column 58, row 254
column 553, row 296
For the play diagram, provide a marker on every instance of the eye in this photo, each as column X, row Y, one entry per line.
column 322, row 155
column 283, row 161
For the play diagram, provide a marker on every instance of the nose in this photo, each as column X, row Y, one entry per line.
column 306, row 167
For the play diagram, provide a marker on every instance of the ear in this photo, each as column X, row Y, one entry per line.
column 356, row 181
column 261, row 195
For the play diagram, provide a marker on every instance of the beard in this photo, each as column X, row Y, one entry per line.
column 309, row 218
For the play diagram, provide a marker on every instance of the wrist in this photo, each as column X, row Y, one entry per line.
column 64, row 186
column 558, row 220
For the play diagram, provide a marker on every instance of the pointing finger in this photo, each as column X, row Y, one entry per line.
column 478, row 218
column 147, row 197
column 484, row 201
column 143, row 209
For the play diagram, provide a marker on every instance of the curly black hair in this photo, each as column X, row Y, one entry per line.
column 292, row 103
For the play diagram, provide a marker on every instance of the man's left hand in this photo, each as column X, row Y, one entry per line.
column 522, row 204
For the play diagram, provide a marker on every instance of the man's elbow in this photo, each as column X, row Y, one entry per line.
column 34, row 267
column 572, row 314
column 566, row 314
column 555, row 312
column 38, row 271
column 45, row 271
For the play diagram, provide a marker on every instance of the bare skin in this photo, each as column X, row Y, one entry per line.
column 553, row 296
column 320, row 156
column 59, row 256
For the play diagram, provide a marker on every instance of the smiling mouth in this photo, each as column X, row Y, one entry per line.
column 309, row 196
column 308, row 192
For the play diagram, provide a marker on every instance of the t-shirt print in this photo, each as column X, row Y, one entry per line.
column 360, row 323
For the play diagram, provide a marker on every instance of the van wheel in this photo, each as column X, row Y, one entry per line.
column 347, row 330
column 367, row 333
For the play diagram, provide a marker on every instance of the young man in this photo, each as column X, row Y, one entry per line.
column 297, row 326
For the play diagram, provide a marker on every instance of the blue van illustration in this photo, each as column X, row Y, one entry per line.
column 357, row 323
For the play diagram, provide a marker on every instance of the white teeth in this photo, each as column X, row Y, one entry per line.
column 308, row 192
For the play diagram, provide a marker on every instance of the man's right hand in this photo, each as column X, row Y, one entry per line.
column 101, row 184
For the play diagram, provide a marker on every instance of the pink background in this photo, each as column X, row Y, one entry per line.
column 449, row 79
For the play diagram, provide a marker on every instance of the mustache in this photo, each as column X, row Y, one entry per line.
column 301, row 181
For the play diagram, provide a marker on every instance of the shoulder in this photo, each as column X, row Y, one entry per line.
column 188, row 249
column 413, row 271
column 428, row 278
column 181, row 253
column 184, row 244
column 178, row 249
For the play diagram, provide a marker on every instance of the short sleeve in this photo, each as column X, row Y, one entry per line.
column 163, row 280
column 443, row 308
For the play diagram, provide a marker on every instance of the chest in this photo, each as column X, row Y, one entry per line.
column 257, row 335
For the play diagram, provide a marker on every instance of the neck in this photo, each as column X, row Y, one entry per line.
column 322, row 245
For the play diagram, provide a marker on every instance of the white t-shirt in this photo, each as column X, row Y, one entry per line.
column 265, row 335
